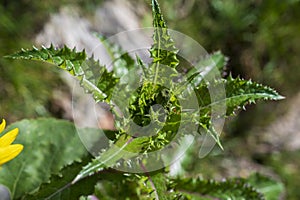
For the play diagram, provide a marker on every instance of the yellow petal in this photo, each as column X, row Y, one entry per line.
column 2, row 125
column 9, row 137
column 9, row 152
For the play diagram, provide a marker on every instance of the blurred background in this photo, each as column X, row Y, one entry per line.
column 261, row 39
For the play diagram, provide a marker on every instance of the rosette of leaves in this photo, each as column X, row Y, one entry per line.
column 97, row 80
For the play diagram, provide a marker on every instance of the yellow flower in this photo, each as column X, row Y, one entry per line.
column 8, row 151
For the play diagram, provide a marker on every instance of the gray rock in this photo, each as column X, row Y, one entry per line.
column 4, row 193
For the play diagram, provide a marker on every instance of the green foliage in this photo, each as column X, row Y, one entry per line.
column 48, row 147
column 270, row 188
column 65, row 58
column 124, row 145
column 256, row 187
column 258, row 36
column 60, row 187
column 114, row 185
column 120, row 150
column 286, row 166
column 122, row 61
column 25, row 92
column 163, row 50
column 239, row 93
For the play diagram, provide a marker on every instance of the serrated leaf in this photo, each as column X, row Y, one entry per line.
column 59, row 187
column 64, row 58
column 239, row 92
column 89, row 72
column 124, row 148
column 196, row 188
column 163, row 50
column 49, row 144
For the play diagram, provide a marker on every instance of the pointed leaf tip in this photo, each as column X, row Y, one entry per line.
column 279, row 97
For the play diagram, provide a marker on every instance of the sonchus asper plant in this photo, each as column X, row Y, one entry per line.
column 155, row 94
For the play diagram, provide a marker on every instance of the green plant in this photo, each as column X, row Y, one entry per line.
column 59, row 167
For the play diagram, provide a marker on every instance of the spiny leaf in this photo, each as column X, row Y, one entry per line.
column 158, row 20
column 60, row 187
column 97, row 80
column 133, row 186
column 64, row 58
column 163, row 50
column 236, row 188
column 94, row 78
column 239, row 93
column 124, row 148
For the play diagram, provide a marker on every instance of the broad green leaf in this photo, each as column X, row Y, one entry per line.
column 49, row 145
column 196, row 188
column 59, row 187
